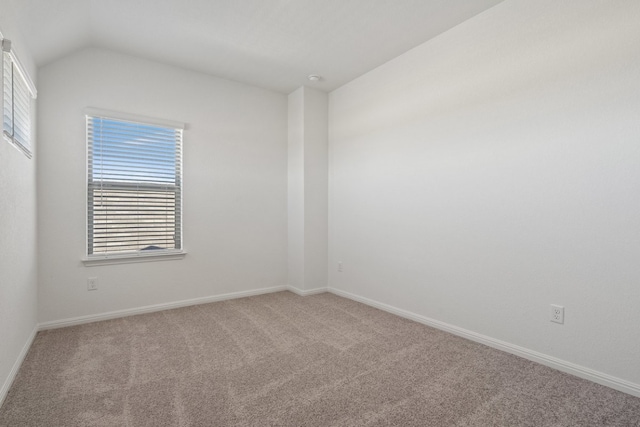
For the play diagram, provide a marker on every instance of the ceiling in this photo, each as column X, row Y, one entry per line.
column 273, row 44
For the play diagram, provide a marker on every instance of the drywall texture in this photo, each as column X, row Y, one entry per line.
column 493, row 171
column 18, row 277
column 235, row 197
column 308, row 189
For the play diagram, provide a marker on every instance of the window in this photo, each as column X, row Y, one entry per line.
column 17, row 91
column 134, row 187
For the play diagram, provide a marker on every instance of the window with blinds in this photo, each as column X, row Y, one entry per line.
column 134, row 187
column 16, row 116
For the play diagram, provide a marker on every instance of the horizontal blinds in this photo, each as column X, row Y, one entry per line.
column 7, row 90
column 21, row 115
column 16, row 115
column 134, row 186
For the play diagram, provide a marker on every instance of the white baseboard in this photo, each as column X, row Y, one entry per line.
column 16, row 366
column 156, row 307
column 550, row 361
column 305, row 292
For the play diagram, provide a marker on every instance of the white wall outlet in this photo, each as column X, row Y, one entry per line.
column 340, row 266
column 92, row 284
column 557, row 313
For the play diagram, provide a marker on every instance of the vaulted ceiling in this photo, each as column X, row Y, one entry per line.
column 273, row 44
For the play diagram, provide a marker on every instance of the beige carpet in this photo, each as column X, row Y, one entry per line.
column 285, row 360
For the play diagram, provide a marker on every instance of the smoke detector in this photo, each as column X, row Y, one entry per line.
column 314, row 77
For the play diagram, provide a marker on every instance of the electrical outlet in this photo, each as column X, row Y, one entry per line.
column 557, row 313
column 340, row 266
column 92, row 284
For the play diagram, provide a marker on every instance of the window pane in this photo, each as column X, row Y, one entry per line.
column 134, row 181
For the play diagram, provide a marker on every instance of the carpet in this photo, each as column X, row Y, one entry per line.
column 284, row 360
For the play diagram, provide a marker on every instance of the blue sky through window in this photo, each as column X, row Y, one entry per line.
column 133, row 152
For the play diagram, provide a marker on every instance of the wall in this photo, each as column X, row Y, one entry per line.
column 308, row 183
column 295, row 183
column 235, row 199
column 316, row 188
column 18, row 277
column 493, row 171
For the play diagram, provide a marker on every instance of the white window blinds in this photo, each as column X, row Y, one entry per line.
column 134, row 187
column 16, row 111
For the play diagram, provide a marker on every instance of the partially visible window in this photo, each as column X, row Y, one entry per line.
column 134, row 187
column 17, row 95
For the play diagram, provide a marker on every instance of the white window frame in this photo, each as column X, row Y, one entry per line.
column 18, row 71
column 139, row 256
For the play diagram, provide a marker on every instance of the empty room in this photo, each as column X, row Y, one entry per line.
column 320, row 213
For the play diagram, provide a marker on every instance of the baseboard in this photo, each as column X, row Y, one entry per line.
column 156, row 307
column 306, row 292
column 16, row 366
column 550, row 361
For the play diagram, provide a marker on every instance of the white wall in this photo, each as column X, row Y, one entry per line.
column 494, row 170
column 18, row 277
column 235, row 197
column 308, row 189
column 295, row 184
column 316, row 188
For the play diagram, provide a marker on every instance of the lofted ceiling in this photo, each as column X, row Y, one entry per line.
column 273, row 44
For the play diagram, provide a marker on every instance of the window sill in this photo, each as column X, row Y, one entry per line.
column 21, row 148
column 96, row 260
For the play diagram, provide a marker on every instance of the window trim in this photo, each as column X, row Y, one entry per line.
column 127, row 117
column 132, row 257
column 91, row 260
